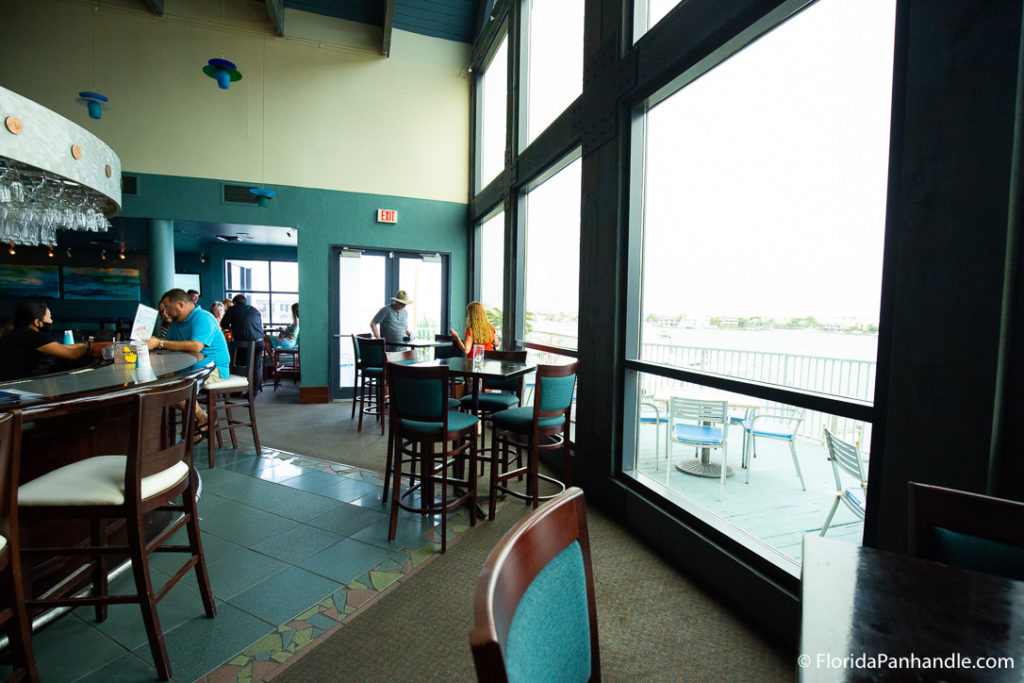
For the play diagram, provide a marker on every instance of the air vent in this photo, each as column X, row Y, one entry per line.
column 239, row 194
column 129, row 185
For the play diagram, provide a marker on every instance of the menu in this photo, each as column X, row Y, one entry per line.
column 145, row 321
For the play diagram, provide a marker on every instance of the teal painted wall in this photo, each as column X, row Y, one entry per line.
column 322, row 218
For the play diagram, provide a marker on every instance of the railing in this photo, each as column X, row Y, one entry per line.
column 843, row 377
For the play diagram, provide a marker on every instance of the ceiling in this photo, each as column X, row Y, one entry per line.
column 448, row 19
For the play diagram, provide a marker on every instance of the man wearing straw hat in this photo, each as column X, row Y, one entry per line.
column 393, row 320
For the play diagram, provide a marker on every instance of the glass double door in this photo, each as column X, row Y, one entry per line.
column 364, row 280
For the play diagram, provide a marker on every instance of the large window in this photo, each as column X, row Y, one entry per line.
column 270, row 286
column 552, row 259
column 493, row 115
column 764, row 187
column 492, row 266
column 556, row 61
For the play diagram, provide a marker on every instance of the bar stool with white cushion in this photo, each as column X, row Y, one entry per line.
column 235, row 392
column 157, row 470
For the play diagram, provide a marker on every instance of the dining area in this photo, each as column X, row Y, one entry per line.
column 476, row 411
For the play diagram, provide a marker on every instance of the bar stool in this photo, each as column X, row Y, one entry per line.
column 234, row 392
column 370, row 353
column 157, row 469
column 420, row 416
column 542, row 426
column 358, row 368
column 497, row 395
column 407, row 357
column 12, row 596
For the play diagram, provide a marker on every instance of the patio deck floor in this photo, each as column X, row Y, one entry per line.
column 772, row 507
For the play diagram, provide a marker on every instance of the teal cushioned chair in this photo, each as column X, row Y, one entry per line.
column 542, row 426
column 407, row 357
column 370, row 370
column 421, row 418
column 535, row 615
column 967, row 530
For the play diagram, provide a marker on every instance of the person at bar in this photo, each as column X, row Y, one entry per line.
column 393, row 320
column 245, row 323
column 28, row 350
column 478, row 330
column 194, row 331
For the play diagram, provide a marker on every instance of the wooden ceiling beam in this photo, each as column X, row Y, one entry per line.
column 275, row 10
column 389, row 21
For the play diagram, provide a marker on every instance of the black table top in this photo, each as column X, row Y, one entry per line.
column 490, row 369
column 883, row 606
column 98, row 379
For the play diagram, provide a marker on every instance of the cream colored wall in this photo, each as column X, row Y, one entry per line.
column 319, row 108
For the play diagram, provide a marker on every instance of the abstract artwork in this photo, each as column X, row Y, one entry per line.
column 101, row 283
column 29, row 282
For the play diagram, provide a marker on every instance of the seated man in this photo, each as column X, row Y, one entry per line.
column 194, row 331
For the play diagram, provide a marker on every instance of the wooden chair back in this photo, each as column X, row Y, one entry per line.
column 967, row 530
column 514, row 385
column 163, row 437
column 418, row 393
column 370, row 351
column 556, row 385
column 540, row 567
column 450, row 351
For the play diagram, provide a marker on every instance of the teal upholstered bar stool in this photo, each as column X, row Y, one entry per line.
column 407, row 357
column 370, row 391
column 497, row 394
column 542, row 426
column 420, row 421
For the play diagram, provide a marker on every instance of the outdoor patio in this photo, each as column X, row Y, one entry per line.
column 772, row 507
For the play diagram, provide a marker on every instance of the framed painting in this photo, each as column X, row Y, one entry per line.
column 29, row 282
column 101, row 283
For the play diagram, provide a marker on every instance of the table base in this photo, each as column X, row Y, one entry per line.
column 711, row 470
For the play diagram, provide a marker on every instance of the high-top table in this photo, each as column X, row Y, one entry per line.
column 871, row 615
column 488, row 369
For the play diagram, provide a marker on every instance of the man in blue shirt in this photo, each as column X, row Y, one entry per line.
column 194, row 331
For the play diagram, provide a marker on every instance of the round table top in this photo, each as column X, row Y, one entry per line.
column 97, row 379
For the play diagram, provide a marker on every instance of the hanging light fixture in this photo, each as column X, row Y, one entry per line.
column 94, row 102
column 103, row 255
column 202, row 258
column 11, row 250
column 222, row 71
column 121, row 255
column 49, row 251
column 68, row 252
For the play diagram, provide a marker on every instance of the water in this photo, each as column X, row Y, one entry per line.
column 862, row 347
column 859, row 347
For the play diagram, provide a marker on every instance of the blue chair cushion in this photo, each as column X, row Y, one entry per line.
column 978, row 554
column 773, row 429
column 520, row 419
column 653, row 419
column 855, row 497
column 454, row 404
column 373, row 372
column 492, row 403
column 697, row 434
column 549, row 637
column 456, row 423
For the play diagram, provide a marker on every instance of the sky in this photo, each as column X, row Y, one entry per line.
column 765, row 177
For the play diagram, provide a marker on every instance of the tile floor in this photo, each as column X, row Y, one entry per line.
column 293, row 545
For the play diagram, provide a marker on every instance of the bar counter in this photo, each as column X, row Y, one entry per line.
column 105, row 377
column 77, row 414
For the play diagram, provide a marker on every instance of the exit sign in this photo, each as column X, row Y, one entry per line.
column 387, row 216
